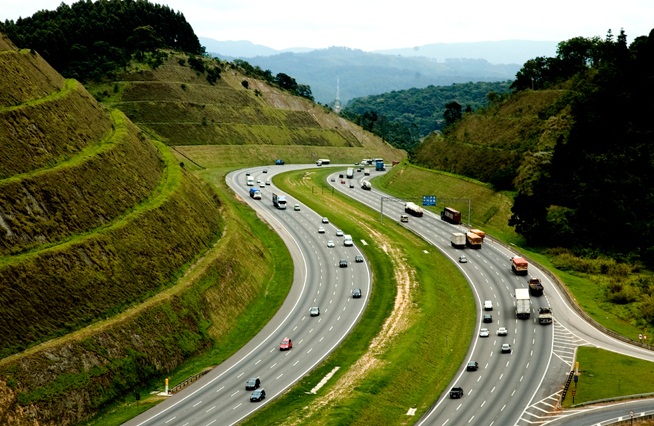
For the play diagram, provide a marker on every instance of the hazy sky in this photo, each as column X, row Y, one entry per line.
column 384, row 24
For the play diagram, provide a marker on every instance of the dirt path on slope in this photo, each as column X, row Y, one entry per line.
column 396, row 323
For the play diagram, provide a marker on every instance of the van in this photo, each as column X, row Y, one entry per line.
column 488, row 305
column 347, row 240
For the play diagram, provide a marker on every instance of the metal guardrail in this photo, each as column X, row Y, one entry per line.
column 187, row 382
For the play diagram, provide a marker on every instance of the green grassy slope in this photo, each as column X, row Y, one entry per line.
column 47, row 206
column 507, row 141
column 181, row 106
column 20, row 71
column 41, row 133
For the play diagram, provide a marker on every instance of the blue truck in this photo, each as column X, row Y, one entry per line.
column 379, row 166
column 255, row 193
column 279, row 201
column 279, row 162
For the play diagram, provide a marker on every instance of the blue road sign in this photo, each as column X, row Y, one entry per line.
column 428, row 200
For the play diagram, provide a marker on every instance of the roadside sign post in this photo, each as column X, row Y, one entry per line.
column 429, row 200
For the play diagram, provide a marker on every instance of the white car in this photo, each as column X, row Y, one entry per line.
column 506, row 348
column 330, row 243
column 339, row 233
column 484, row 332
column 321, row 230
column 314, row 311
column 502, row 331
column 325, row 220
column 262, row 185
column 296, row 207
column 463, row 259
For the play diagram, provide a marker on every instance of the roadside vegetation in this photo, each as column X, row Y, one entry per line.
column 608, row 375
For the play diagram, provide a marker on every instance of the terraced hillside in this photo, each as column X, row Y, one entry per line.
column 95, row 217
column 237, row 119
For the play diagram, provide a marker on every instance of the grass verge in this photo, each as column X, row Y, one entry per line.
column 420, row 355
column 606, row 374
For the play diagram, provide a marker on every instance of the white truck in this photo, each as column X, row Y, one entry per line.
column 366, row 171
column 458, row 240
column 250, row 181
column 322, row 162
column 413, row 209
column 279, row 201
column 350, row 172
column 347, row 240
column 522, row 303
column 366, row 185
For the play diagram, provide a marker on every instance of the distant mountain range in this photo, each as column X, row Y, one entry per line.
column 368, row 73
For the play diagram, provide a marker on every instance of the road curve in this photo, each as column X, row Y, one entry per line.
column 220, row 397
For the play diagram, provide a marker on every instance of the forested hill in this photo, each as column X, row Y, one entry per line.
column 403, row 117
column 88, row 40
column 575, row 140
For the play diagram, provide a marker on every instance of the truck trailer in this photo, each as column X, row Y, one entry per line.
column 519, row 266
column 413, row 209
column 255, row 193
column 479, row 232
column 458, row 240
column 450, row 215
column 322, row 162
column 522, row 303
column 379, row 166
column 473, row 240
column 279, row 201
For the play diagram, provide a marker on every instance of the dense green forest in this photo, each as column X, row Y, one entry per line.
column 89, row 40
column 403, row 117
column 597, row 191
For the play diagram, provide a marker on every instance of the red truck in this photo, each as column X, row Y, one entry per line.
column 519, row 266
column 450, row 215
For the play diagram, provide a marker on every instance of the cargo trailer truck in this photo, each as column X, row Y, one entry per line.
column 450, row 215
column 413, row 209
column 522, row 303
column 350, row 173
column 473, row 240
column 458, row 240
column 519, row 266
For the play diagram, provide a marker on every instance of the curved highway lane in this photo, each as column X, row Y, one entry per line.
column 526, row 390
column 220, row 397
column 505, row 383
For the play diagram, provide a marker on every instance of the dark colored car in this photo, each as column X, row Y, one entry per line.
column 356, row 293
column 472, row 366
column 488, row 318
column 342, row 263
column 456, row 392
column 252, row 383
column 257, row 395
column 358, row 258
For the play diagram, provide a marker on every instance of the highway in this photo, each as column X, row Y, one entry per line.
column 505, row 383
column 519, row 388
column 220, row 397
column 522, row 388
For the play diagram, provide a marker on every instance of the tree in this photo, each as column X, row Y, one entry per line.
column 453, row 113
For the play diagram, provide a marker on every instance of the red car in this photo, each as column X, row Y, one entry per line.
column 286, row 344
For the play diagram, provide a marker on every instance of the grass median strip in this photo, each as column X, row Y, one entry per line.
column 411, row 339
